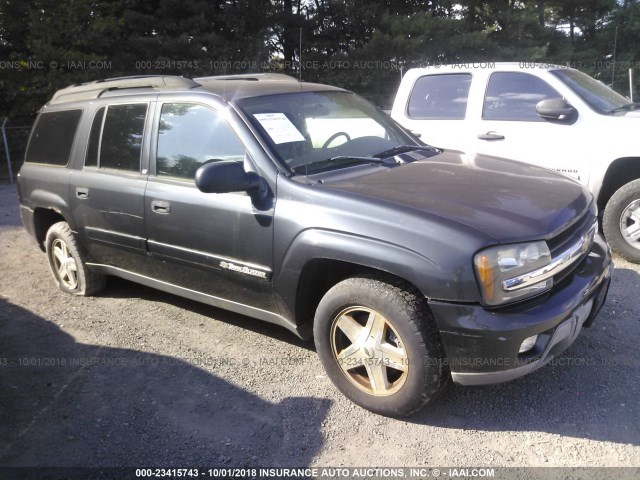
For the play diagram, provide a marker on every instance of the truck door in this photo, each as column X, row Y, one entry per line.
column 510, row 127
column 437, row 109
column 217, row 244
column 107, row 195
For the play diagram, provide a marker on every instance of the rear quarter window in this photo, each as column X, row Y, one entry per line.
column 52, row 137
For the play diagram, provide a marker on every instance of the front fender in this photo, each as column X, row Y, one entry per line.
column 433, row 279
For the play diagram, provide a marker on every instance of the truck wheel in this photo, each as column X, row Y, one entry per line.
column 621, row 221
column 379, row 345
column 67, row 263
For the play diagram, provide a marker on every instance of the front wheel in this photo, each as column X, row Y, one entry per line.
column 621, row 221
column 379, row 345
column 68, row 264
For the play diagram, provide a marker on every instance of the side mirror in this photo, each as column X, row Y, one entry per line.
column 555, row 109
column 228, row 176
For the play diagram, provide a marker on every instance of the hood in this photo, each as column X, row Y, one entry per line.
column 506, row 200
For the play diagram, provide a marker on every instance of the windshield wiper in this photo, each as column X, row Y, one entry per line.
column 386, row 157
column 341, row 160
column 624, row 108
column 363, row 159
column 402, row 149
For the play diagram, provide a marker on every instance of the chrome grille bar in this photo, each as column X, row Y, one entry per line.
column 557, row 265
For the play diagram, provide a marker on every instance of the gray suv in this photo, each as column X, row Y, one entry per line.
column 305, row 206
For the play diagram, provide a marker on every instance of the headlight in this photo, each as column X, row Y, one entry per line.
column 499, row 270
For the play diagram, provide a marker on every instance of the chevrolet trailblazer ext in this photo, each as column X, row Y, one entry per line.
column 303, row 205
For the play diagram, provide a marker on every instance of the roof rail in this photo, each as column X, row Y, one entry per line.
column 251, row 77
column 85, row 91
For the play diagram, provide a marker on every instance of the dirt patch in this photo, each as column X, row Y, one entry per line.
column 139, row 377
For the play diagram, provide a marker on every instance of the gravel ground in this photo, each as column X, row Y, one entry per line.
column 137, row 377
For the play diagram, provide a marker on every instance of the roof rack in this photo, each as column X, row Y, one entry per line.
column 85, row 91
column 251, row 77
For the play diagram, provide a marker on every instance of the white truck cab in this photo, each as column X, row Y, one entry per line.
column 546, row 115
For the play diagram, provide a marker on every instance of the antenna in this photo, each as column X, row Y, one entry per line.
column 613, row 68
column 300, row 55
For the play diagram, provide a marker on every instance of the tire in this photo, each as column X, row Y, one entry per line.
column 363, row 328
column 621, row 221
column 67, row 263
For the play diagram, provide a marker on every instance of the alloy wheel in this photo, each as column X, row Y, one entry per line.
column 369, row 351
column 630, row 224
column 64, row 264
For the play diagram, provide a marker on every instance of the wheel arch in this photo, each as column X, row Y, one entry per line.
column 319, row 275
column 621, row 171
column 319, row 259
column 43, row 219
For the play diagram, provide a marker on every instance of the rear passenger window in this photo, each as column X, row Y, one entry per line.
column 442, row 97
column 121, row 144
column 190, row 135
column 514, row 96
column 52, row 137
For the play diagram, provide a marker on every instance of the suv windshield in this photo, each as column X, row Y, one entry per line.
column 316, row 131
column 597, row 95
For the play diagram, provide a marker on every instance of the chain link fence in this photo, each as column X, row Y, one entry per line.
column 13, row 143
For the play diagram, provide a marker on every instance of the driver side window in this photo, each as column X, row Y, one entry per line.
column 513, row 96
column 190, row 135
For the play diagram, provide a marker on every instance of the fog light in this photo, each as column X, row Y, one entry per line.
column 528, row 344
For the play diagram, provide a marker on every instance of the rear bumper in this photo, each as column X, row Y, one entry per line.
column 482, row 345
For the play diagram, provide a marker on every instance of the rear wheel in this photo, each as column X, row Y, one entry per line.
column 621, row 221
column 379, row 345
column 67, row 263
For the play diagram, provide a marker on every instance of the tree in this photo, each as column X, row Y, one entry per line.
column 358, row 44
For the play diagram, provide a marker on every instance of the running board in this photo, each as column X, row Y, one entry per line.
column 197, row 296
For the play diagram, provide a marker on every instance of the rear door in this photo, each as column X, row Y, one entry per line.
column 107, row 194
column 437, row 109
column 217, row 244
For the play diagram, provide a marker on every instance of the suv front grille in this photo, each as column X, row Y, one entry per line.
column 571, row 235
column 565, row 241
column 563, row 261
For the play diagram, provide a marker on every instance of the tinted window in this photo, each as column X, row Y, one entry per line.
column 514, row 96
column 122, row 137
column 94, row 139
column 52, row 137
column 440, row 97
column 190, row 135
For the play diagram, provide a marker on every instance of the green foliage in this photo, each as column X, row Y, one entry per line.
column 361, row 45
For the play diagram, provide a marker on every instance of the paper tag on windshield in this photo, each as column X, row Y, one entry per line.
column 279, row 127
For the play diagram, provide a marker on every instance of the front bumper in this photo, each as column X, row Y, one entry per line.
column 482, row 345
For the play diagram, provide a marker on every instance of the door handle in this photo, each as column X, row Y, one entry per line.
column 158, row 206
column 491, row 136
column 82, row 193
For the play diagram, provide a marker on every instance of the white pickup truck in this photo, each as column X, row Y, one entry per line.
column 547, row 115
